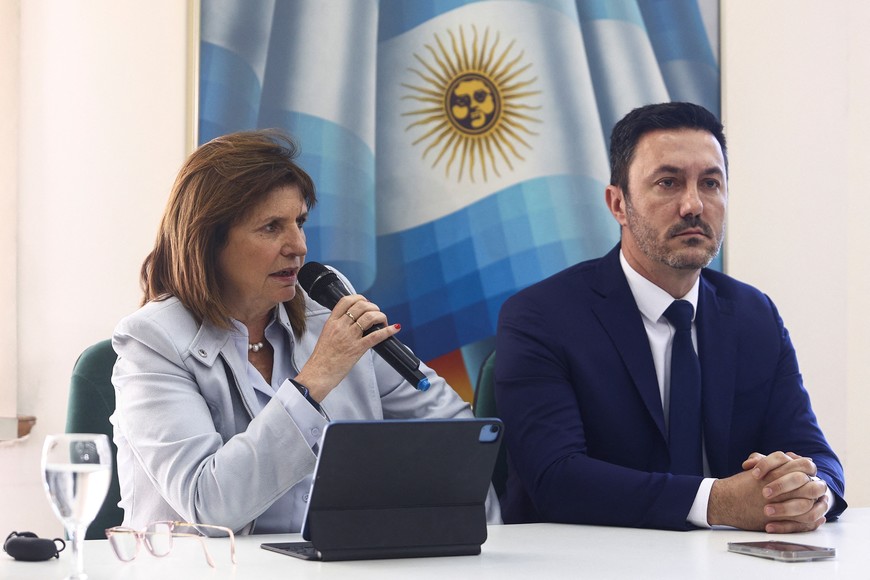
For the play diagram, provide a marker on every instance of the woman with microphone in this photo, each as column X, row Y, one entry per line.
column 229, row 372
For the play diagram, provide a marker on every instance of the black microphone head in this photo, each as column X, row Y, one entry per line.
column 309, row 273
column 322, row 284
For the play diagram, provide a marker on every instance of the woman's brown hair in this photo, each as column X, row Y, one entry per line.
column 218, row 185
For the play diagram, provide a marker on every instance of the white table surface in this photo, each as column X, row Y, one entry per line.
column 518, row 551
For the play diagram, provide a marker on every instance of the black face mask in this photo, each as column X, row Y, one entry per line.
column 27, row 546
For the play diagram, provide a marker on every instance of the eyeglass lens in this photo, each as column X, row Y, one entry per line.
column 157, row 537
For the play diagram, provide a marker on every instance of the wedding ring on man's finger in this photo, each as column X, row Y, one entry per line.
column 361, row 329
column 350, row 315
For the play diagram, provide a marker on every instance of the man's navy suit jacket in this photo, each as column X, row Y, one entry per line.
column 576, row 387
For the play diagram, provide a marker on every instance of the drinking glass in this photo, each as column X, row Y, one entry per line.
column 76, row 468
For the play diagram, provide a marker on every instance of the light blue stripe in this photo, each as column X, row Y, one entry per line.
column 694, row 82
column 682, row 48
column 240, row 26
column 677, row 31
column 229, row 93
column 626, row 10
column 399, row 16
column 447, row 279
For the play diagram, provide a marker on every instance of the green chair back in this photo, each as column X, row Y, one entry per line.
column 484, row 406
column 91, row 402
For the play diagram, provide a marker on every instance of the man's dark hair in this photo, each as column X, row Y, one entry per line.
column 628, row 131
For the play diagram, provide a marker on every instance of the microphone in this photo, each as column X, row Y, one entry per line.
column 326, row 288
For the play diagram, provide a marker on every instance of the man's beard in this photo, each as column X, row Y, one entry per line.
column 646, row 239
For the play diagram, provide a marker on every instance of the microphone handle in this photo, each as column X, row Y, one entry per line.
column 409, row 367
column 397, row 355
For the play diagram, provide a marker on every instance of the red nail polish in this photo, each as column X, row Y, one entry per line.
column 398, row 326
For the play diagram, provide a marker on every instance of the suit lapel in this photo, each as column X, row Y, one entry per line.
column 717, row 349
column 619, row 316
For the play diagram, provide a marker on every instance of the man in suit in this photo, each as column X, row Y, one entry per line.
column 585, row 374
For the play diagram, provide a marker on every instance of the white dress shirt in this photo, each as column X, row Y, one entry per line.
column 290, row 507
column 652, row 302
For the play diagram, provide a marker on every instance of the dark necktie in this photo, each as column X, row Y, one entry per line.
column 684, row 424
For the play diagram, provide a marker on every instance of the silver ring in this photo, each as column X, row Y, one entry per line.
column 361, row 329
column 350, row 315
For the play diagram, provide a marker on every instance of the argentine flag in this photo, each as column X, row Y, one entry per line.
column 459, row 147
column 490, row 161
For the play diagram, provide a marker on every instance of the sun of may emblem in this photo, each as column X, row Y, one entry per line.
column 473, row 110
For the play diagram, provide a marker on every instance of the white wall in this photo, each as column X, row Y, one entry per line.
column 102, row 133
column 9, row 60
column 796, row 101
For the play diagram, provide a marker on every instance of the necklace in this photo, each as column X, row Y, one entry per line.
column 255, row 346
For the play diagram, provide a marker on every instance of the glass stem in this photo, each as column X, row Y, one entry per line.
column 77, row 536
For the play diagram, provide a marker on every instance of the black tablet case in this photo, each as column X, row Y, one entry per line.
column 398, row 489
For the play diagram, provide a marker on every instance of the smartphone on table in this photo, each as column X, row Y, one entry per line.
column 782, row 551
